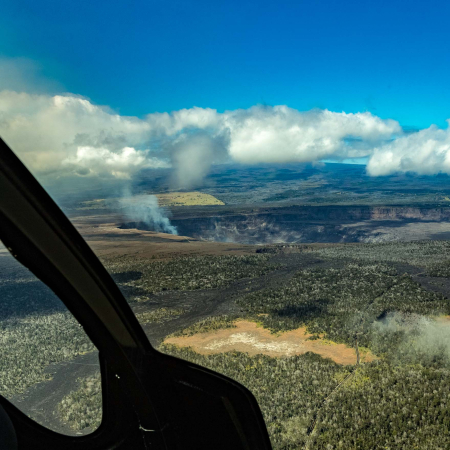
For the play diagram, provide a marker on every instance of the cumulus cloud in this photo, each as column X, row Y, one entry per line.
column 424, row 152
column 69, row 135
column 280, row 134
column 170, row 124
column 104, row 162
column 51, row 133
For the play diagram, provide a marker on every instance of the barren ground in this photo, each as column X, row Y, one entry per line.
column 107, row 240
column 249, row 337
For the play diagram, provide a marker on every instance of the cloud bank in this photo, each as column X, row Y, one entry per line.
column 280, row 134
column 59, row 135
column 424, row 152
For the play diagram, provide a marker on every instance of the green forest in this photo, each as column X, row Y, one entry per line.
column 370, row 296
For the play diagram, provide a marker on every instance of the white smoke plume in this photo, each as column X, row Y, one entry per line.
column 145, row 209
column 192, row 157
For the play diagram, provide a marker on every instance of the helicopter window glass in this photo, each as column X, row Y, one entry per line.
column 49, row 368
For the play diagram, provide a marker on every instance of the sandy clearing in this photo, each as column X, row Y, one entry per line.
column 443, row 319
column 249, row 337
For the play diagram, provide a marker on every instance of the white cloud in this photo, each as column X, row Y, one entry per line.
column 424, row 152
column 63, row 135
column 46, row 131
column 67, row 134
column 282, row 134
column 104, row 162
column 172, row 123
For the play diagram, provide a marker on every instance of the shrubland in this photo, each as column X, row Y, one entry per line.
column 188, row 273
column 380, row 406
column 29, row 344
column 441, row 269
column 82, row 408
column 399, row 407
column 159, row 315
column 417, row 253
column 209, row 324
column 342, row 303
column 400, row 401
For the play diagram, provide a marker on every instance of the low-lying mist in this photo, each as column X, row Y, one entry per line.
column 413, row 339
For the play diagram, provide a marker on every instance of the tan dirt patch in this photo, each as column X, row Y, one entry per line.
column 443, row 319
column 250, row 338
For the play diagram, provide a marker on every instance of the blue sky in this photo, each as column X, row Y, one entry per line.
column 391, row 58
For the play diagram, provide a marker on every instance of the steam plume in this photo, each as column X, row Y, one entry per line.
column 145, row 209
column 192, row 157
column 420, row 339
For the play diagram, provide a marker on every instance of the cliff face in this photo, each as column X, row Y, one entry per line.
column 300, row 215
column 409, row 213
column 333, row 212
column 299, row 223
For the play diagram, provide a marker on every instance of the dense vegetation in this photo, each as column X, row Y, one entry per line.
column 439, row 270
column 289, row 390
column 381, row 406
column 209, row 324
column 418, row 253
column 159, row 315
column 384, row 406
column 28, row 345
column 203, row 272
column 82, row 409
column 36, row 329
column 401, row 401
column 388, row 407
column 343, row 303
column 288, row 411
